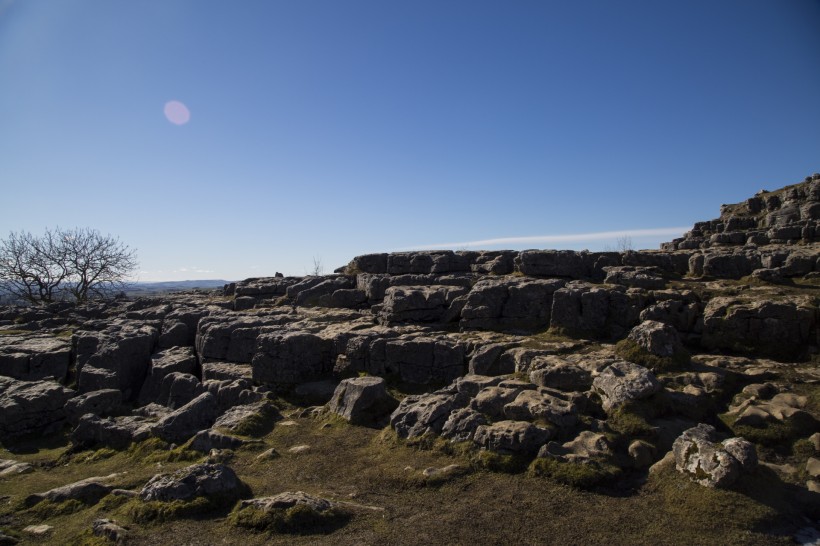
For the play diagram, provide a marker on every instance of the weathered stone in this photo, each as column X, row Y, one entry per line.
column 214, row 481
column 31, row 406
column 638, row 277
column 292, row 358
column 237, row 417
column 509, row 303
column 623, row 382
column 418, row 303
column 362, row 400
column 462, row 424
column 288, row 499
column 418, row 415
column 118, row 357
column 110, row 530
column 102, row 402
column 199, row 414
column 206, row 440
column 176, row 359
column 491, row 400
column 87, row 491
column 177, row 389
column 548, row 405
column 118, row 433
column 32, row 358
column 425, row 360
column 556, row 373
column 707, row 462
column 656, row 338
column 512, row 437
column 587, row 445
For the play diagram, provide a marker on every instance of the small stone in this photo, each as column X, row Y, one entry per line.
column 38, row 530
column 299, row 449
column 109, row 529
column 813, row 467
column 268, row 454
column 642, row 453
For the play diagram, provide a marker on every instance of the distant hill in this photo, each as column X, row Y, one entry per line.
column 143, row 288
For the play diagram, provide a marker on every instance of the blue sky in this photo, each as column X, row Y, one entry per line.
column 325, row 129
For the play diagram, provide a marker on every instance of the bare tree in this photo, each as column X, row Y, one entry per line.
column 318, row 269
column 79, row 262
column 624, row 244
column 32, row 268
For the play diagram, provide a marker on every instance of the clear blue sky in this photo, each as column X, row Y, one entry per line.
column 328, row 129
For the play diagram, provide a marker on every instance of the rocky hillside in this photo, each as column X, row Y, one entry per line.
column 431, row 397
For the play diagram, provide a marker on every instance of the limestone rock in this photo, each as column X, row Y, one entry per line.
column 512, row 437
column 289, row 499
column 178, row 426
column 199, row 480
column 548, row 405
column 418, row 415
column 109, row 529
column 623, row 382
column 176, row 359
column 114, row 432
column 362, row 400
column 587, row 445
column 656, row 338
column 87, row 491
column 292, row 358
column 206, row 440
column 102, row 402
column 35, row 357
column 31, row 406
column 708, row 462
column 462, row 424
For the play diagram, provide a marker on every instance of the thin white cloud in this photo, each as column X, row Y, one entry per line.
column 552, row 239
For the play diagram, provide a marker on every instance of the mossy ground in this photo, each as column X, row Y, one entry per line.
column 496, row 501
column 631, row 351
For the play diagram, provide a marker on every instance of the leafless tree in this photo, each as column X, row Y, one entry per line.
column 318, row 269
column 81, row 263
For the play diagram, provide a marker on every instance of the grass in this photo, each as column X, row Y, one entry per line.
column 298, row 519
column 260, row 423
column 776, row 433
column 581, row 475
column 376, row 469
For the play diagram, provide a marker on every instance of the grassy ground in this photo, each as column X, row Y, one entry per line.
column 393, row 503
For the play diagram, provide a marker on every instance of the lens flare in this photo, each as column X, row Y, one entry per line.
column 177, row 113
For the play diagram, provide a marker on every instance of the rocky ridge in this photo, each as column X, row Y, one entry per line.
column 571, row 363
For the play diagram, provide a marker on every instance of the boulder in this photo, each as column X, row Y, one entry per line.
column 239, row 417
column 175, row 359
column 587, row 445
column 511, row 437
column 418, row 415
column 624, row 382
column 544, row 404
column 115, row 432
column 117, row 357
column 424, row 360
column 213, row 481
column 109, row 529
column 87, row 491
column 177, row 389
column 557, row 373
column 656, row 338
column 708, row 462
column 103, row 402
column 462, row 424
column 362, row 400
column 180, row 425
column 206, row 440
column 31, row 406
column 491, row 401
column 649, row 278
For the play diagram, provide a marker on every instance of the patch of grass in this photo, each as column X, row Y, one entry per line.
column 88, row 538
column 46, row 509
column 111, row 502
column 65, row 334
column 631, row 351
column 299, row 519
column 497, row 462
column 803, row 449
column 580, row 475
column 140, row 450
column 98, row 455
column 153, row 512
column 632, row 418
column 13, row 332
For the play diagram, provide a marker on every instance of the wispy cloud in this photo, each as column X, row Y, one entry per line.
column 602, row 236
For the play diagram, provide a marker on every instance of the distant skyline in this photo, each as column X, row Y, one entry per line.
column 229, row 140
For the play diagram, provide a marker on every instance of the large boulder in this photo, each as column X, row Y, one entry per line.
column 656, row 338
column 362, row 400
column 101, row 402
column 552, row 406
column 180, row 425
column 31, row 406
column 624, row 382
column 709, row 462
column 175, row 359
column 424, row 360
column 115, row 358
column 234, row 338
column 213, row 481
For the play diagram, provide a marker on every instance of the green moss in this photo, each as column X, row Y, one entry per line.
column 298, row 519
column 803, row 449
column 153, row 512
column 13, row 332
column 630, row 421
column 48, row 509
column 581, row 475
column 631, row 351
column 497, row 462
column 140, row 450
